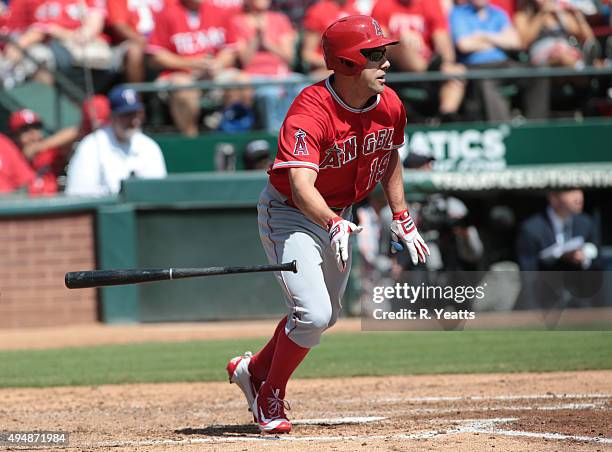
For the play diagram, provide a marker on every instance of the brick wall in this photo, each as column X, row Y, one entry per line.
column 35, row 253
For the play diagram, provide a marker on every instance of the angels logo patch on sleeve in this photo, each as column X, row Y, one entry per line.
column 300, row 143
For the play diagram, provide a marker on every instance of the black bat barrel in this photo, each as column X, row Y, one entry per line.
column 98, row 278
column 101, row 278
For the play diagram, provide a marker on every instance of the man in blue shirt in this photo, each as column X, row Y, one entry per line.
column 482, row 34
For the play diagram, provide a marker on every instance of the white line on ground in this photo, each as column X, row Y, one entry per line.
column 557, row 436
column 480, row 426
column 481, row 398
column 489, row 426
column 566, row 406
column 338, row 421
column 476, row 423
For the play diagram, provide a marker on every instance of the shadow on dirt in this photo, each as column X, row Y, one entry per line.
column 221, row 430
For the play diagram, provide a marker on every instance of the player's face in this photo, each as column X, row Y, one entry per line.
column 373, row 76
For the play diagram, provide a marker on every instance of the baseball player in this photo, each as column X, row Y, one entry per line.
column 339, row 139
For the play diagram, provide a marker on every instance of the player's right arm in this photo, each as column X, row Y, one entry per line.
column 307, row 198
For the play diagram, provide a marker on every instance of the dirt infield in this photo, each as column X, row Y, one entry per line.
column 528, row 411
column 550, row 411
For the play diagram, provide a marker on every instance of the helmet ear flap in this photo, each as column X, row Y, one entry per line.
column 349, row 66
column 350, row 63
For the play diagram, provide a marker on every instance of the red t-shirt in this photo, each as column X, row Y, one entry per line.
column 322, row 14
column 190, row 34
column 227, row 8
column 21, row 14
column 420, row 16
column 348, row 148
column 17, row 174
column 278, row 28
column 138, row 14
column 68, row 14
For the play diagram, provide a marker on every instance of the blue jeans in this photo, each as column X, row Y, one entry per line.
column 272, row 102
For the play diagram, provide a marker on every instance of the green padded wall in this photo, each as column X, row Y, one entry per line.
column 204, row 238
column 184, row 155
column 117, row 246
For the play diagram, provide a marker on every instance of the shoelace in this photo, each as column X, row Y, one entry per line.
column 276, row 405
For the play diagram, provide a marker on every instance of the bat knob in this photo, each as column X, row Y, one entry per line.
column 294, row 266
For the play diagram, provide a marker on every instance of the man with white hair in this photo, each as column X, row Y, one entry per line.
column 116, row 152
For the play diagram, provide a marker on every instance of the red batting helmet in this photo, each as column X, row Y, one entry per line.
column 344, row 39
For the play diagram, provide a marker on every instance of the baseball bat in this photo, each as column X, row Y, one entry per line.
column 100, row 278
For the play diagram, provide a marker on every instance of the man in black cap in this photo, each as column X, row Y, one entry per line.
column 257, row 155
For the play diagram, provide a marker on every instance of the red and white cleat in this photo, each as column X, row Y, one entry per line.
column 270, row 411
column 238, row 372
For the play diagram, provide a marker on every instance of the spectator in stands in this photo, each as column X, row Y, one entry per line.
column 555, row 34
column 265, row 42
column 130, row 24
column 318, row 17
column 16, row 174
column 257, row 155
column 509, row 6
column 555, row 239
column 561, row 238
column 190, row 42
column 293, row 9
column 57, row 34
column 95, row 113
column 483, row 34
column 27, row 132
column 424, row 45
column 114, row 153
column 227, row 8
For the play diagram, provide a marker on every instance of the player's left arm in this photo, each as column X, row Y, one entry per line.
column 404, row 233
column 393, row 184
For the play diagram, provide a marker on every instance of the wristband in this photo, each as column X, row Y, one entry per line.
column 331, row 222
column 401, row 215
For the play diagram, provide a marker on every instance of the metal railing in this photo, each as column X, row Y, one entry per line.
column 395, row 77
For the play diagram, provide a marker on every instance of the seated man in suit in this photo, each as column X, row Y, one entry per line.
column 561, row 238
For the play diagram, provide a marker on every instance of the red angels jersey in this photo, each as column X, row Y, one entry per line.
column 349, row 148
column 189, row 34
column 420, row 16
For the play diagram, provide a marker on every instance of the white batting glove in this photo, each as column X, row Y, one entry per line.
column 339, row 231
column 404, row 234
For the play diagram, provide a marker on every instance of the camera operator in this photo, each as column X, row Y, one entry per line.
column 446, row 223
column 448, row 226
column 453, row 239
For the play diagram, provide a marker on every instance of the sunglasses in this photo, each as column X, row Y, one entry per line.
column 374, row 55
